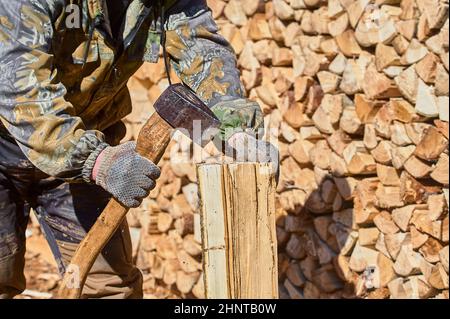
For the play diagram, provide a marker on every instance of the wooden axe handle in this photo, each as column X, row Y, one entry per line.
column 153, row 140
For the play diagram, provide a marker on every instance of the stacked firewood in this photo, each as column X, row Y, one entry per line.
column 356, row 94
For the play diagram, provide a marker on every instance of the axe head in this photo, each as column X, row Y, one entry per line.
column 180, row 107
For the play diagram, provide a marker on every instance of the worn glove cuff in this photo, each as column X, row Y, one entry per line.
column 90, row 163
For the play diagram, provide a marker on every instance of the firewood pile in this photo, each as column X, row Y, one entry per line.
column 356, row 93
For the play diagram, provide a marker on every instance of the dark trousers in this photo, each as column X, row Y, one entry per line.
column 65, row 212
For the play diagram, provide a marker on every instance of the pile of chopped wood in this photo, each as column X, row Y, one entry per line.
column 356, row 92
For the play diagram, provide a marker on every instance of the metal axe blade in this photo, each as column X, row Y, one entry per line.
column 180, row 107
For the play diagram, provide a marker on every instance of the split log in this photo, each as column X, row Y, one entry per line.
column 417, row 287
column 185, row 224
column 293, row 291
column 327, row 280
column 368, row 236
column 383, row 152
column 438, row 278
column 396, row 289
column 443, row 257
column 421, row 219
column 406, row 28
column 430, row 250
column 440, row 171
column 432, row 145
column 281, row 56
column 385, row 223
column 364, row 203
column 185, row 282
column 232, row 197
column 295, row 247
column 443, row 107
column 370, row 137
column 301, row 87
column 415, row 192
column 377, row 85
column 415, row 52
column 441, row 81
column 346, row 186
column 216, row 7
column 350, row 122
column 320, row 154
column 366, row 108
column 426, row 68
column 401, row 110
column 388, row 175
column 328, row 113
column 417, row 168
column 369, row 33
column 347, row 44
column 437, row 206
column 398, row 134
column 283, row 10
column 426, row 104
column 293, row 115
column 436, row 13
column 402, row 216
column 407, row 262
column 400, row 44
column 234, row 12
column 400, row 155
column 389, row 196
column 258, row 27
column 385, row 56
column 338, row 25
column 300, row 149
column 394, row 242
column 362, row 258
column 407, row 83
column 380, row 245
column 338, row 141
column 358, row 160
column 329, row 81
column 444, row 231
column 383, row 121
column 417, row 238
column 416, row 131
column 164, row 222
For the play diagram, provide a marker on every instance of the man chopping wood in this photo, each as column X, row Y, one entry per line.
column 64, row 66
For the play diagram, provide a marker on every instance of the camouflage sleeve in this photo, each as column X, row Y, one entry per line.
column 206, row 62
column 32, row 104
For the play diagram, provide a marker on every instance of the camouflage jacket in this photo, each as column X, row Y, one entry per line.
column 63, row 78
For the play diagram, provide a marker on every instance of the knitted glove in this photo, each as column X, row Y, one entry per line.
column 125, row 174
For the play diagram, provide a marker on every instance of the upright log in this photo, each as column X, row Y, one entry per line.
column 356, row 93
column 238, row 230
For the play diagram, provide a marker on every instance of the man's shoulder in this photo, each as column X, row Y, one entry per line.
column 51, row 7
column 56, row 7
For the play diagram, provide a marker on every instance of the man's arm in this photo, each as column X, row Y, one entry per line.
column 206, row 62
column 32, row 103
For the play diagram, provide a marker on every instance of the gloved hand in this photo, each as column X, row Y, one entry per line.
column 250, row 149
column 125, row 174
column 238, row 115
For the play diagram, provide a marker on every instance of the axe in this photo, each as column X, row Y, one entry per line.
column 177, row 108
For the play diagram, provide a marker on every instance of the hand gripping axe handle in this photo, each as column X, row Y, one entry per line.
column 177, row 108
